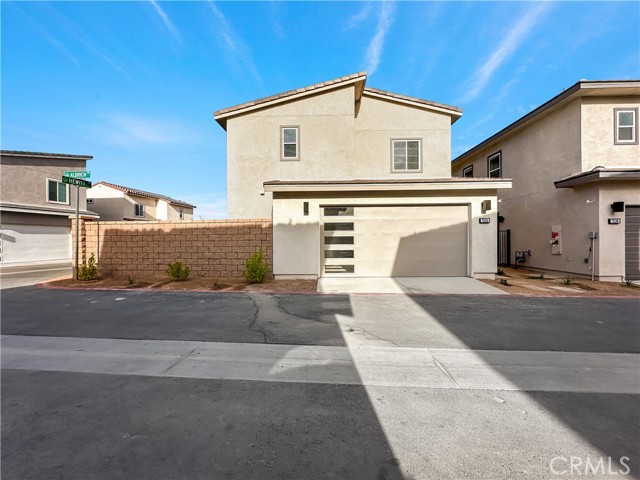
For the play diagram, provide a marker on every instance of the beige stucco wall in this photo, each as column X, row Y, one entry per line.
column 333, row 145
column 575, row 138
column 23, row 180
column 113, row 205
column 598, row 145
column 297, row 242
column 173, row 212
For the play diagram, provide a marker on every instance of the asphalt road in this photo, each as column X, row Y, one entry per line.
column 62, row 425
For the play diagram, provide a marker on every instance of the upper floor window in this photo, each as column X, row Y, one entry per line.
column 181, row 212
column 57, row 192
column 139, row 210
column 626, row 130
column 467, row 171
column 494, row 165
column 406, row 155
column 290, row 143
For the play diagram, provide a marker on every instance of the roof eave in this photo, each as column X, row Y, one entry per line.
column 590, row 177
column 278, row 187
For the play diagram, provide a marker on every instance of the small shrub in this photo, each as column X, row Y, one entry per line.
column 568, row 280
column 541, row 276
column 88, row 270
column 628, row 282
column 131, row 279
column 500, row 272
column 177, row 271
column 505, row 282
column 256, row 269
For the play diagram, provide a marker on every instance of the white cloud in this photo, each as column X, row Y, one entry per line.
column 376, row 46
column 237, row 49
column 356, row 19
column 210, row 206
column 507, row 47
column 166, row 20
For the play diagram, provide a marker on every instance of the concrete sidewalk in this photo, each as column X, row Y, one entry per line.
column 408, row 285
column 438, row 368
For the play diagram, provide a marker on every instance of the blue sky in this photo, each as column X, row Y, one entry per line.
column 135, row 84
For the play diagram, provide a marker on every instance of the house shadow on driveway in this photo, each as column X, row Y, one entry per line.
column 104, row 419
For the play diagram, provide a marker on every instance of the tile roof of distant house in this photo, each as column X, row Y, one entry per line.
column 64, row 156
column 142, row 193
column 358, row 78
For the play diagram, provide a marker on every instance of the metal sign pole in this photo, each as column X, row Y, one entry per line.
column 75, row 270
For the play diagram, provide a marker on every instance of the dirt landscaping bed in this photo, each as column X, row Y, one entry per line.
column 524, row 281
column 195, row 283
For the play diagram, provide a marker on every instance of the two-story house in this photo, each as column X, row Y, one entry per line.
column 115, row 202
column 35, row 206
column 358, row 182
column 575, row 164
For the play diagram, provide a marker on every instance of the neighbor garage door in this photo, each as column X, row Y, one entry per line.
column 632, row 243
column 395, row 241
column 35, row 243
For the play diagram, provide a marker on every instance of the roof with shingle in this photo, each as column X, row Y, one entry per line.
column 142, row 193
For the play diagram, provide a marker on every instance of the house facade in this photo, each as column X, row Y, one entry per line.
column 35, row 206
column 358, row 183
column 575, row 164
column 115, row 202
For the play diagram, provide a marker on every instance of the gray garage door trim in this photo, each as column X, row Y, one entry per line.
column 394, row 240
column 632, row 242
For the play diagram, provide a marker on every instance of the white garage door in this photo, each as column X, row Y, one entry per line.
column 35, row 243
column 395, row 241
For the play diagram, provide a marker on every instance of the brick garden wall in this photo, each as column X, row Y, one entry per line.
column 212, row 248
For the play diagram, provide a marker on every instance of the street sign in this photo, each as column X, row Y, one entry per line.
column 74, row 174
column 76, row 181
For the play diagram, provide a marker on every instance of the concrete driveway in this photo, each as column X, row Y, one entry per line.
column 140, row 384
column 408, row 285
column 24, row 275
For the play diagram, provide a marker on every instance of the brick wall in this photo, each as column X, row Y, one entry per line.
column 212, row 248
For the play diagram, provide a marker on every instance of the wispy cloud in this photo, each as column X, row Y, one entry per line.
column 507, row 47
column 358, row 18
column 167, row 21
column 209, row 205
column 376, row 46
column 236, row 49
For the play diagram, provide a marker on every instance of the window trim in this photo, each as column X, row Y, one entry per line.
column 468, row 168
column 135, row 209
column 297, row 157
column 419, row 169
column 616, row 126
column 499, row 155
column 181, row 213
column 59, row 182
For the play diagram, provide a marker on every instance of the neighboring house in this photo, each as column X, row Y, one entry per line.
column 358, row 183
column 575, row 165
column 35, row 206
column 115, row 202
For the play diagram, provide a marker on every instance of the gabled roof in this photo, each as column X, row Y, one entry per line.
column 142, row 193
column 582, row 88
column 358, row 79
column 61, row 156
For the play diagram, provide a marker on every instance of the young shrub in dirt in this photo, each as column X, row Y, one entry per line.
column 256, row 269
column 177, row 271
column 88, row 270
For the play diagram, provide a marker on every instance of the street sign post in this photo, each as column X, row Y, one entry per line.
column 76, row 174
column 78, row 183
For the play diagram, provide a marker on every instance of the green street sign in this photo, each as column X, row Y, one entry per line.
column 76, row 181
column 74, row 174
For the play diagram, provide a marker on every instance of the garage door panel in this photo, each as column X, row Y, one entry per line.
column 35, row 243
column 401, row 241
column 632, row 243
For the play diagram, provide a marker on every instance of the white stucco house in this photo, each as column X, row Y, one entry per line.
column 575, row 164
column 115, row 202
column 358, row 183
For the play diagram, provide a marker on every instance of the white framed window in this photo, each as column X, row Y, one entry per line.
column 181, row 212
column 626, row 126
column 494, row 165
column 57, row 192
column 467, row 172
column 290, row 140
column 139, row 210
column 406, row 155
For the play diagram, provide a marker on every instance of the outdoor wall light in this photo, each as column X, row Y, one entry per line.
column 486, row 206
column 617, row 207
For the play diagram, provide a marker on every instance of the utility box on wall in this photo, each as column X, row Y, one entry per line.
column 556, row 240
